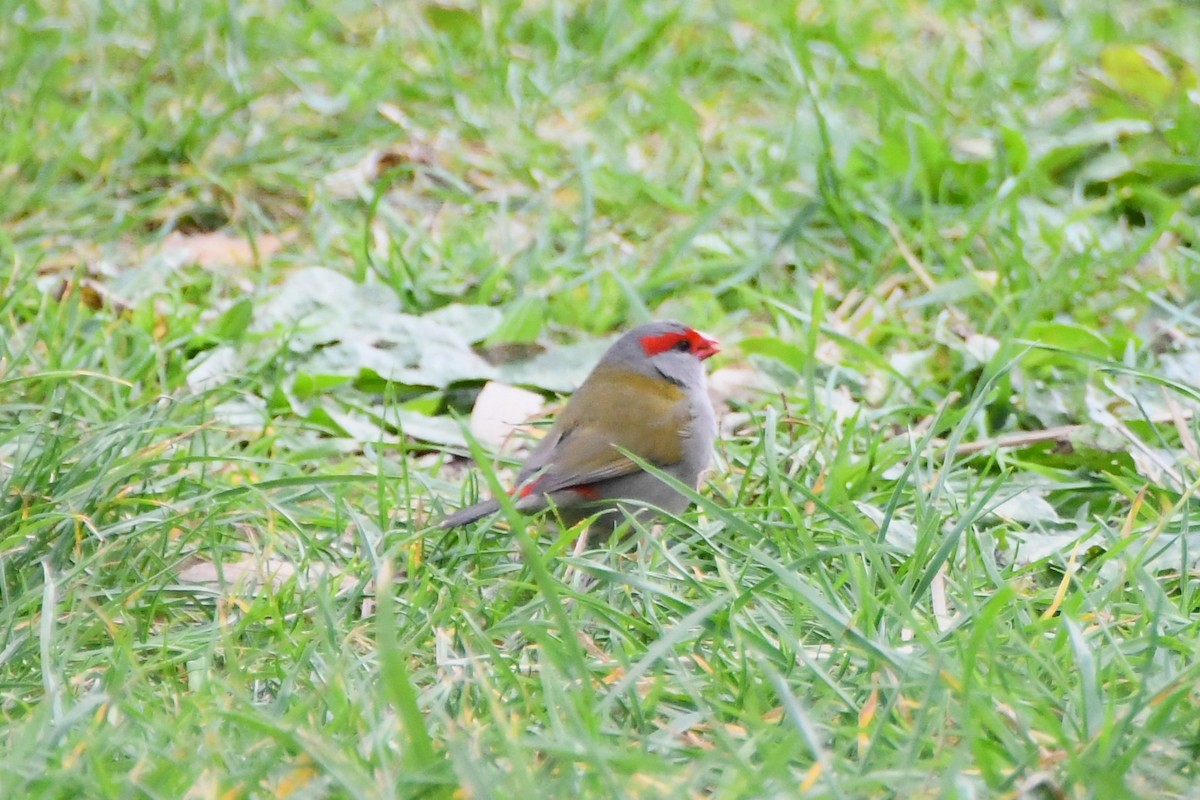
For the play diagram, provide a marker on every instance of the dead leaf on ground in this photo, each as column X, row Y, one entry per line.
column 294, row 778
column 252, row 573
column 221, row 248
column 358, row 179
column 510, row 234
column 500, row 409
column 1028, row 507
column 737, row 384
column 567, row 127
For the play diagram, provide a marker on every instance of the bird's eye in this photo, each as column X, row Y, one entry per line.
column 684, row 346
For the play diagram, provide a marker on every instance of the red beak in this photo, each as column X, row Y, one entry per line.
column 704, row 346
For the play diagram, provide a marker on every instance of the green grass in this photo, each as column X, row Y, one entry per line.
column 925, row 224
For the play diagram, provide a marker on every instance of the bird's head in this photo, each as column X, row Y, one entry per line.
column 667, row 349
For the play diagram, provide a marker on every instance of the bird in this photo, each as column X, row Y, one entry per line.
column 648, row 396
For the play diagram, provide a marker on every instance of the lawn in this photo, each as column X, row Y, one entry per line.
column 258, row 260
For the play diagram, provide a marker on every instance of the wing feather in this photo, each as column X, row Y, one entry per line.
column 612, row 409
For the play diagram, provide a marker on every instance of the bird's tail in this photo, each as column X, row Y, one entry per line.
column 469, row 514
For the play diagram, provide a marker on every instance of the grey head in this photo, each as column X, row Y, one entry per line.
column 665, row 349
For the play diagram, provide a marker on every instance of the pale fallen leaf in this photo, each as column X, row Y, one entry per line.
column 220, row 248
column 736, row 423
column 252, row 573
column 358, row 179
column 1156, row 465
column 214, row 368
column 876, row 389
column 500, row 409
column 560, row 369
column 973, row 148
column 900, row 534
column 564, row 127
column 737, row 384
column 343, row 328
column 509, row 235
column 988, row 279
column 937, row 599
column 981, row 348
column 1033, row 546
column 206, row 785
column 395, row 115
column 844, row 406
column 1028, row 508
column 245, row 573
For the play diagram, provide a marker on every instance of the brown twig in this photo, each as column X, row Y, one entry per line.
column 1062, row 433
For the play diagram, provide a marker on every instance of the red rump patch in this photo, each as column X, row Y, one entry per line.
column 699, row 345
column 587, row 491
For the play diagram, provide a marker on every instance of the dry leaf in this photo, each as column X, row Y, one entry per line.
column 500, row 409
column 296, row 778
column 1028, row 508
column 249, row 574
column 246, row 573
column 358, row 180
column 737, row 384
column 220, row 248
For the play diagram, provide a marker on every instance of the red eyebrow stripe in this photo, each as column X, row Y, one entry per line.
column 653, row 345
column 698, row 344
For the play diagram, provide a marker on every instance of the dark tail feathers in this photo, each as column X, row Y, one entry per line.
column 469, row 514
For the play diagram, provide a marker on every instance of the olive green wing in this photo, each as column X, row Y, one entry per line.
column 614, row 410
